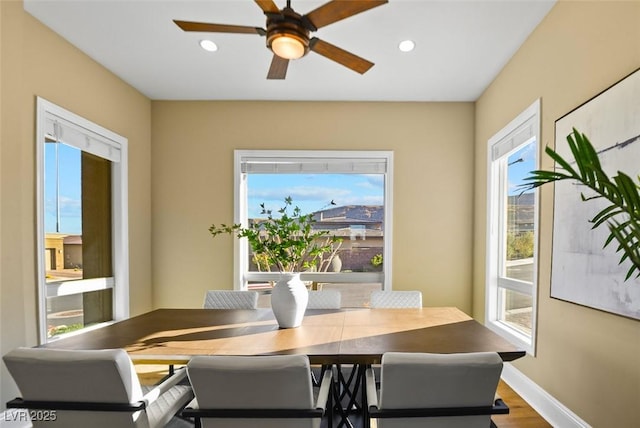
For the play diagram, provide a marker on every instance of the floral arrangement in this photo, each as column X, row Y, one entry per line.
column 287, row 241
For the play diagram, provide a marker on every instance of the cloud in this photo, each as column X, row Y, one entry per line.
column 69, row 207
column 298, row 193
column 371, row 181
column 529, row 152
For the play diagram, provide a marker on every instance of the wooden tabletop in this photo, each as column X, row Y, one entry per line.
column 326, row 336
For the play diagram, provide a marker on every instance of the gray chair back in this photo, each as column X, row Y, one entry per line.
column 324, row 299
column 414, row 380
column 396, row 299
column 98, row 376
column 256, row 382
column 230, row 299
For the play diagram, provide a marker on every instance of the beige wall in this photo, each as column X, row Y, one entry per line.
column 36, row 62
column 2, row 322
column 3, row 383
column 192, row 176
column 586, row 359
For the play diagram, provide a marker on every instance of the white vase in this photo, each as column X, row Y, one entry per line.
column 336, row 263
column 289, row 300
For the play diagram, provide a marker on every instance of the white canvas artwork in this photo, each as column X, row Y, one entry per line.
column 582, row 271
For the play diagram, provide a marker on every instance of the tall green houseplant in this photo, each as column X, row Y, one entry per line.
column 621, row 215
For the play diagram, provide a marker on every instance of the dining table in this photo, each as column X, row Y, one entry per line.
column 347, row 338
column 326, row 336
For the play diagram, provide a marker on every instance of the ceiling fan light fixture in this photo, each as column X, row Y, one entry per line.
column 288, row 46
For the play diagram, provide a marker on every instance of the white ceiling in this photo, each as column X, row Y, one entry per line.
column 460, row 48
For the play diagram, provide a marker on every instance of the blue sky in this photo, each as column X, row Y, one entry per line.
column 518, row 170
column 313, row 192
column 69, row 199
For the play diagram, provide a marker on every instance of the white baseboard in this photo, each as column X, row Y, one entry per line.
column 553, row 411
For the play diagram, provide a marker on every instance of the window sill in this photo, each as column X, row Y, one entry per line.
column 512, row 335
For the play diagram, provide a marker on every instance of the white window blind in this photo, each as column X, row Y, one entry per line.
column 292, row 165
column 60, row 130
column 515, row 138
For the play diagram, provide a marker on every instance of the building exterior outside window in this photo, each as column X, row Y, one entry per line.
column 349, row 195
column 82, row 223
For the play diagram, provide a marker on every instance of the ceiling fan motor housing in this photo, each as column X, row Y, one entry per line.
column 287, row 23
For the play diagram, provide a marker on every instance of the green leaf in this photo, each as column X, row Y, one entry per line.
column 605, row 215
column 621, row 192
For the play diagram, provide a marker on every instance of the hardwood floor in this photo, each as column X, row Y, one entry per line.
column 521, row 414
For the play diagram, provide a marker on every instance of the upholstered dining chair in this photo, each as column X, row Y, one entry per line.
column 271, row 391
column 230, row 299
column 396, row 299
column 324, row 299
column 96, row 389
column 436, row 390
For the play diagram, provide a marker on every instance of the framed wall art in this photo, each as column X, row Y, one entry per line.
column 582, row 271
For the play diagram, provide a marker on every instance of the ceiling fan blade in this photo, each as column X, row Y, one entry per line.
column 278, row 69
column 340, row 56
column 336, row 10
column 268, row 6
column 218, row 28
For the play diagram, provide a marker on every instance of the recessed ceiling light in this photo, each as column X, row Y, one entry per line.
column 208, row 45
column 406, row 45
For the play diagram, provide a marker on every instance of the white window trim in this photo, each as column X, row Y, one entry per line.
column 68, row 288
column 494, row 248
column 45, row 110
column 240, row 214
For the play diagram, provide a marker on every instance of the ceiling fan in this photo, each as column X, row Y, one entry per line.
column 288, row 33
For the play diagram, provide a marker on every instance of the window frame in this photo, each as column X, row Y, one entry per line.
column 119, row 282
column 511, row 137
column 241, row 274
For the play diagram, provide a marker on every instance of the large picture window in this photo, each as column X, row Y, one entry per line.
column 511, row 285
column 82, row 223
column 348, row 194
